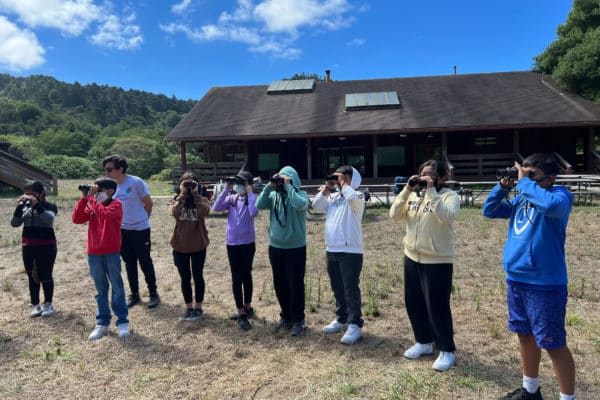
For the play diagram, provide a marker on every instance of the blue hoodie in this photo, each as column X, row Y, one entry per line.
column 534, row 252
column 287, row 219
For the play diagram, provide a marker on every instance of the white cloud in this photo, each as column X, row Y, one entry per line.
column 181, row 7
column 356, row 42
column 19, row 49
column 277, row 50
column 71, row 17
column 243, row 12
column 117, row 34
column 272, row 26
column 289, row 15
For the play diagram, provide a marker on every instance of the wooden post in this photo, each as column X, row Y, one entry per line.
column 445, row 143
column 589, row 147
column 516, row 135
column 183, row 157
column 308, row 158
column 375, row 169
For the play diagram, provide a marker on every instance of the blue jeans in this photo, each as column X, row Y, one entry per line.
column 105, row 269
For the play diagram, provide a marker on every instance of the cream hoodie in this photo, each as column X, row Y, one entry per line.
column 429, row 224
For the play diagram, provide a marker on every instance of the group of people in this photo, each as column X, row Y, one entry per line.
column 117, row 208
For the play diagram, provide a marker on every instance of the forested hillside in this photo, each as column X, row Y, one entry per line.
column 67, row 129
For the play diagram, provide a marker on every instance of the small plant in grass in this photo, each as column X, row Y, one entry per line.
column 495, row 332
column 372, row 307
column 574, row 320
column 8, row 286
column 477, row 299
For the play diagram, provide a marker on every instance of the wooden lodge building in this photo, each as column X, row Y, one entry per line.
column 387, row 127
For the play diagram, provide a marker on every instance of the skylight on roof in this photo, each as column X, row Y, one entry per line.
column 291, row 86
column 364, row 101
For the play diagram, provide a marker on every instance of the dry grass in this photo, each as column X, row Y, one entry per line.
column 212, row 359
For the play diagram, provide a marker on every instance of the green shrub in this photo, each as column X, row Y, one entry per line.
column 66, row 167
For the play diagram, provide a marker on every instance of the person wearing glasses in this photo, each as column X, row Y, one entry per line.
column 429, row 209
column 134, row 194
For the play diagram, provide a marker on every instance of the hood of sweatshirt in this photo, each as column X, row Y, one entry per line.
column 291, row 173
column 356, row 179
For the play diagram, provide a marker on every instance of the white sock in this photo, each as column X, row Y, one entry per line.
column 567, row 396
column 531, row 384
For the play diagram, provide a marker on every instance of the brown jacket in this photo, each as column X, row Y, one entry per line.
column 190, row 234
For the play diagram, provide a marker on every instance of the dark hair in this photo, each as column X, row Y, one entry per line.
column 106, row 183
column 438, row 166
column 36, row 187
column 345, row 169
column 119, row 162
column 545, row 162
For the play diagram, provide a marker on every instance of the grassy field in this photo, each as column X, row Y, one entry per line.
column 213, row 359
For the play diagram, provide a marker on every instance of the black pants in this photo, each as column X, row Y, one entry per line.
column 344, row 274
column 288, row 267
column 427, row 290
column 182, row 262
column 39, row 263
column 240, row 261
column 135, row 245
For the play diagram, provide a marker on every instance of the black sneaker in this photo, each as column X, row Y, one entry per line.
column 195, row 315
column 133, row 299
column 522, row 394
column 243, row 323
column 298, row 328
column 283, row 324
column 249, row 311
column 186, row 315
column 154, row 300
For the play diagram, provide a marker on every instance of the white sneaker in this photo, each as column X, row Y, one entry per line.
column 353, row 334
column 47, row 310
column 444, row 361
column 123, row 329
column 418, row 350
column 334, row 327
column 36, row 311
column 98, row 332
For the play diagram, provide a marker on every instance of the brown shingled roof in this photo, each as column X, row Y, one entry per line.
column 452, row 102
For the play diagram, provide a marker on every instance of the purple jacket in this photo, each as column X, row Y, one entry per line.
column 240, row 221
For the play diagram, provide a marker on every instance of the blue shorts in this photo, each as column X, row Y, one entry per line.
column 540, row 313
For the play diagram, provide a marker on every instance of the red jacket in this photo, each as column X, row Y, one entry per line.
column 104, row 231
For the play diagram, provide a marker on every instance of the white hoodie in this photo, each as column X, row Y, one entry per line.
column 343, row 233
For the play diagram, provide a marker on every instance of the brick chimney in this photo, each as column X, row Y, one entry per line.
column 327, row 75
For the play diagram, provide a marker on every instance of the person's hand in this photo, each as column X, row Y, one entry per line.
column 248, row 187
column 507, row 183
column 286, row 180
column 194, row 187
column 342, row 181
column 429, row 180
column 415, row 186
column 523, row 171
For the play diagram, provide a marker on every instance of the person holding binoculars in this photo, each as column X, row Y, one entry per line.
column 536, row 269
column 287, row 244
column 104, row 214
column 189, row 242
column 239, row 201
column 344, row 206
column 38, row 244
column 429, row 209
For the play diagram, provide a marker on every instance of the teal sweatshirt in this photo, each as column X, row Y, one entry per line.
column 287, row 206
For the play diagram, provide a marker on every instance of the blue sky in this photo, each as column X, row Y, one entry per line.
column 185, row 47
